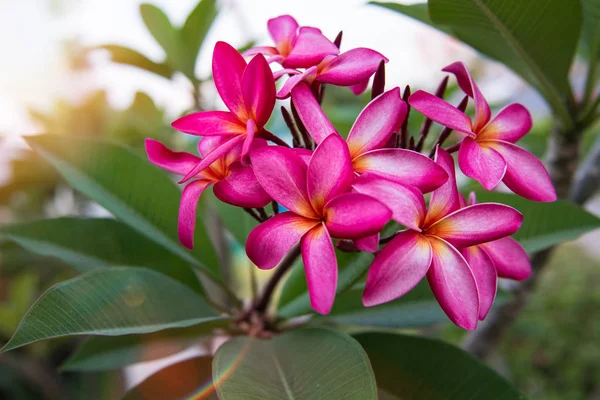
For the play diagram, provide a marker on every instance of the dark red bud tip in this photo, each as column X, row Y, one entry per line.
column 347, row 246
column 378, row 81
column 338, row 39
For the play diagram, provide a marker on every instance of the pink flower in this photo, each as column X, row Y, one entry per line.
column 431, row 247
column 503, row 257
column 248, row 91
column 352, row 68
column 233, row 182
column 488, row 153
column 319, row 208
column 295, row 46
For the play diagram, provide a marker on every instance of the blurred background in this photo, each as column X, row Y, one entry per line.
column 56, row 78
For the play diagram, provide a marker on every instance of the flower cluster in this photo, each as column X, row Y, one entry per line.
column 352, row 188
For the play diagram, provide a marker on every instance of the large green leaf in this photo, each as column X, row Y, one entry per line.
column 591, row 26
column 197, row 24
column 311, row 363
column 178, row 381
column 545, row 224
column 535, row 38
column 89, row 243
column 128, row 56
column 111, row 302
column 101, row 353
column 135, row 191
column 415, row 368
column 418, row 11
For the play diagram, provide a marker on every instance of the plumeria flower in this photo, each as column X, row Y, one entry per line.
column 248, row 91
column 431, row 247
column 352, row 68
column 488, row 153
column 319, row 208
column 503, row 258
column 233, row 182
column 295, row 46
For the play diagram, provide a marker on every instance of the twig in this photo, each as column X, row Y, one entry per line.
column 275, row 207
column 308, row 143
column 296, row 138
column 270, row 136
column 403, row 137
column 426, row 127
column 253, row 214
column 288, row 262
column 262, row 213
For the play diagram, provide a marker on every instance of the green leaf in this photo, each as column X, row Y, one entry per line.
column 91, row 243
column 545, row 224
column 178, row 381
column 535, row 38
column 417, row 11
column 237, row 221
column 352, row 267
column 311, row 363
column 197, row 24
column 591, row 26
column 111, row 302
column 135, row 191
column 102, row 353
column 128, row 56
column 415, row 368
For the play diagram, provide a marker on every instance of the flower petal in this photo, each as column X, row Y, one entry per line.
column 485, row 276
column 351, row 67
column 282, row 173
column 440, row 111
column 210, row 123
column 329, row 171
column 359, row 88
column 377, row 122
column 176, row 162
column 397, row 268
column 228, row 67
column 283, row 31
column 446, row 198
column 285, row 71
column 271, row 240
column 467, row 84
column 525, row 175
column 370, row 243
column 213, row 156
column 264, row 50
column 477, row 224
column 187, row 211
column 511, row 124
column 320, row 266
column 355, row 215
column 250, row 131
column 294, row 80
column 509, row 257
column 309, row 49
column 207, row 144
column 304, row 154
column 311, row 114
column 481, row 163
column 241, row 188
column 406, row 202
column 258, row 90
column 403, row 166
column 453, row 284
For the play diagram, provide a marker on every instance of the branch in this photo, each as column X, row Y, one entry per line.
column 288, row 262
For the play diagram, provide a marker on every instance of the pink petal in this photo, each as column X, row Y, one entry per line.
column 481, row 163
column 511, row 124
column 467, row 84
column 294, row 80
column 370, row 243
column 285, row 71
column 208, row 143
column 485, row 276
column 282, row 174
column 360, row 87
column 446, row 198
column 526, row 175
column 250, row 131
column 403, row 166
column 309, row 110
column 377, row 122
column 210, row 123
column 509, row 257
column 355, row 215
column 228, row 67
column 258, row 90
column 453, row 284
column 283, row 31
column 213, row 156
column 304, row 154
column 241, row 188
column 264, row 50
column 173, row 161
column 320, row 266
column 352, row 67
column 329, row 171
column 477, row 224
column 187, row 211
column 309, row 49
column 271, row 240
column 440, row 111
column 406, row 202
column 397, row 268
